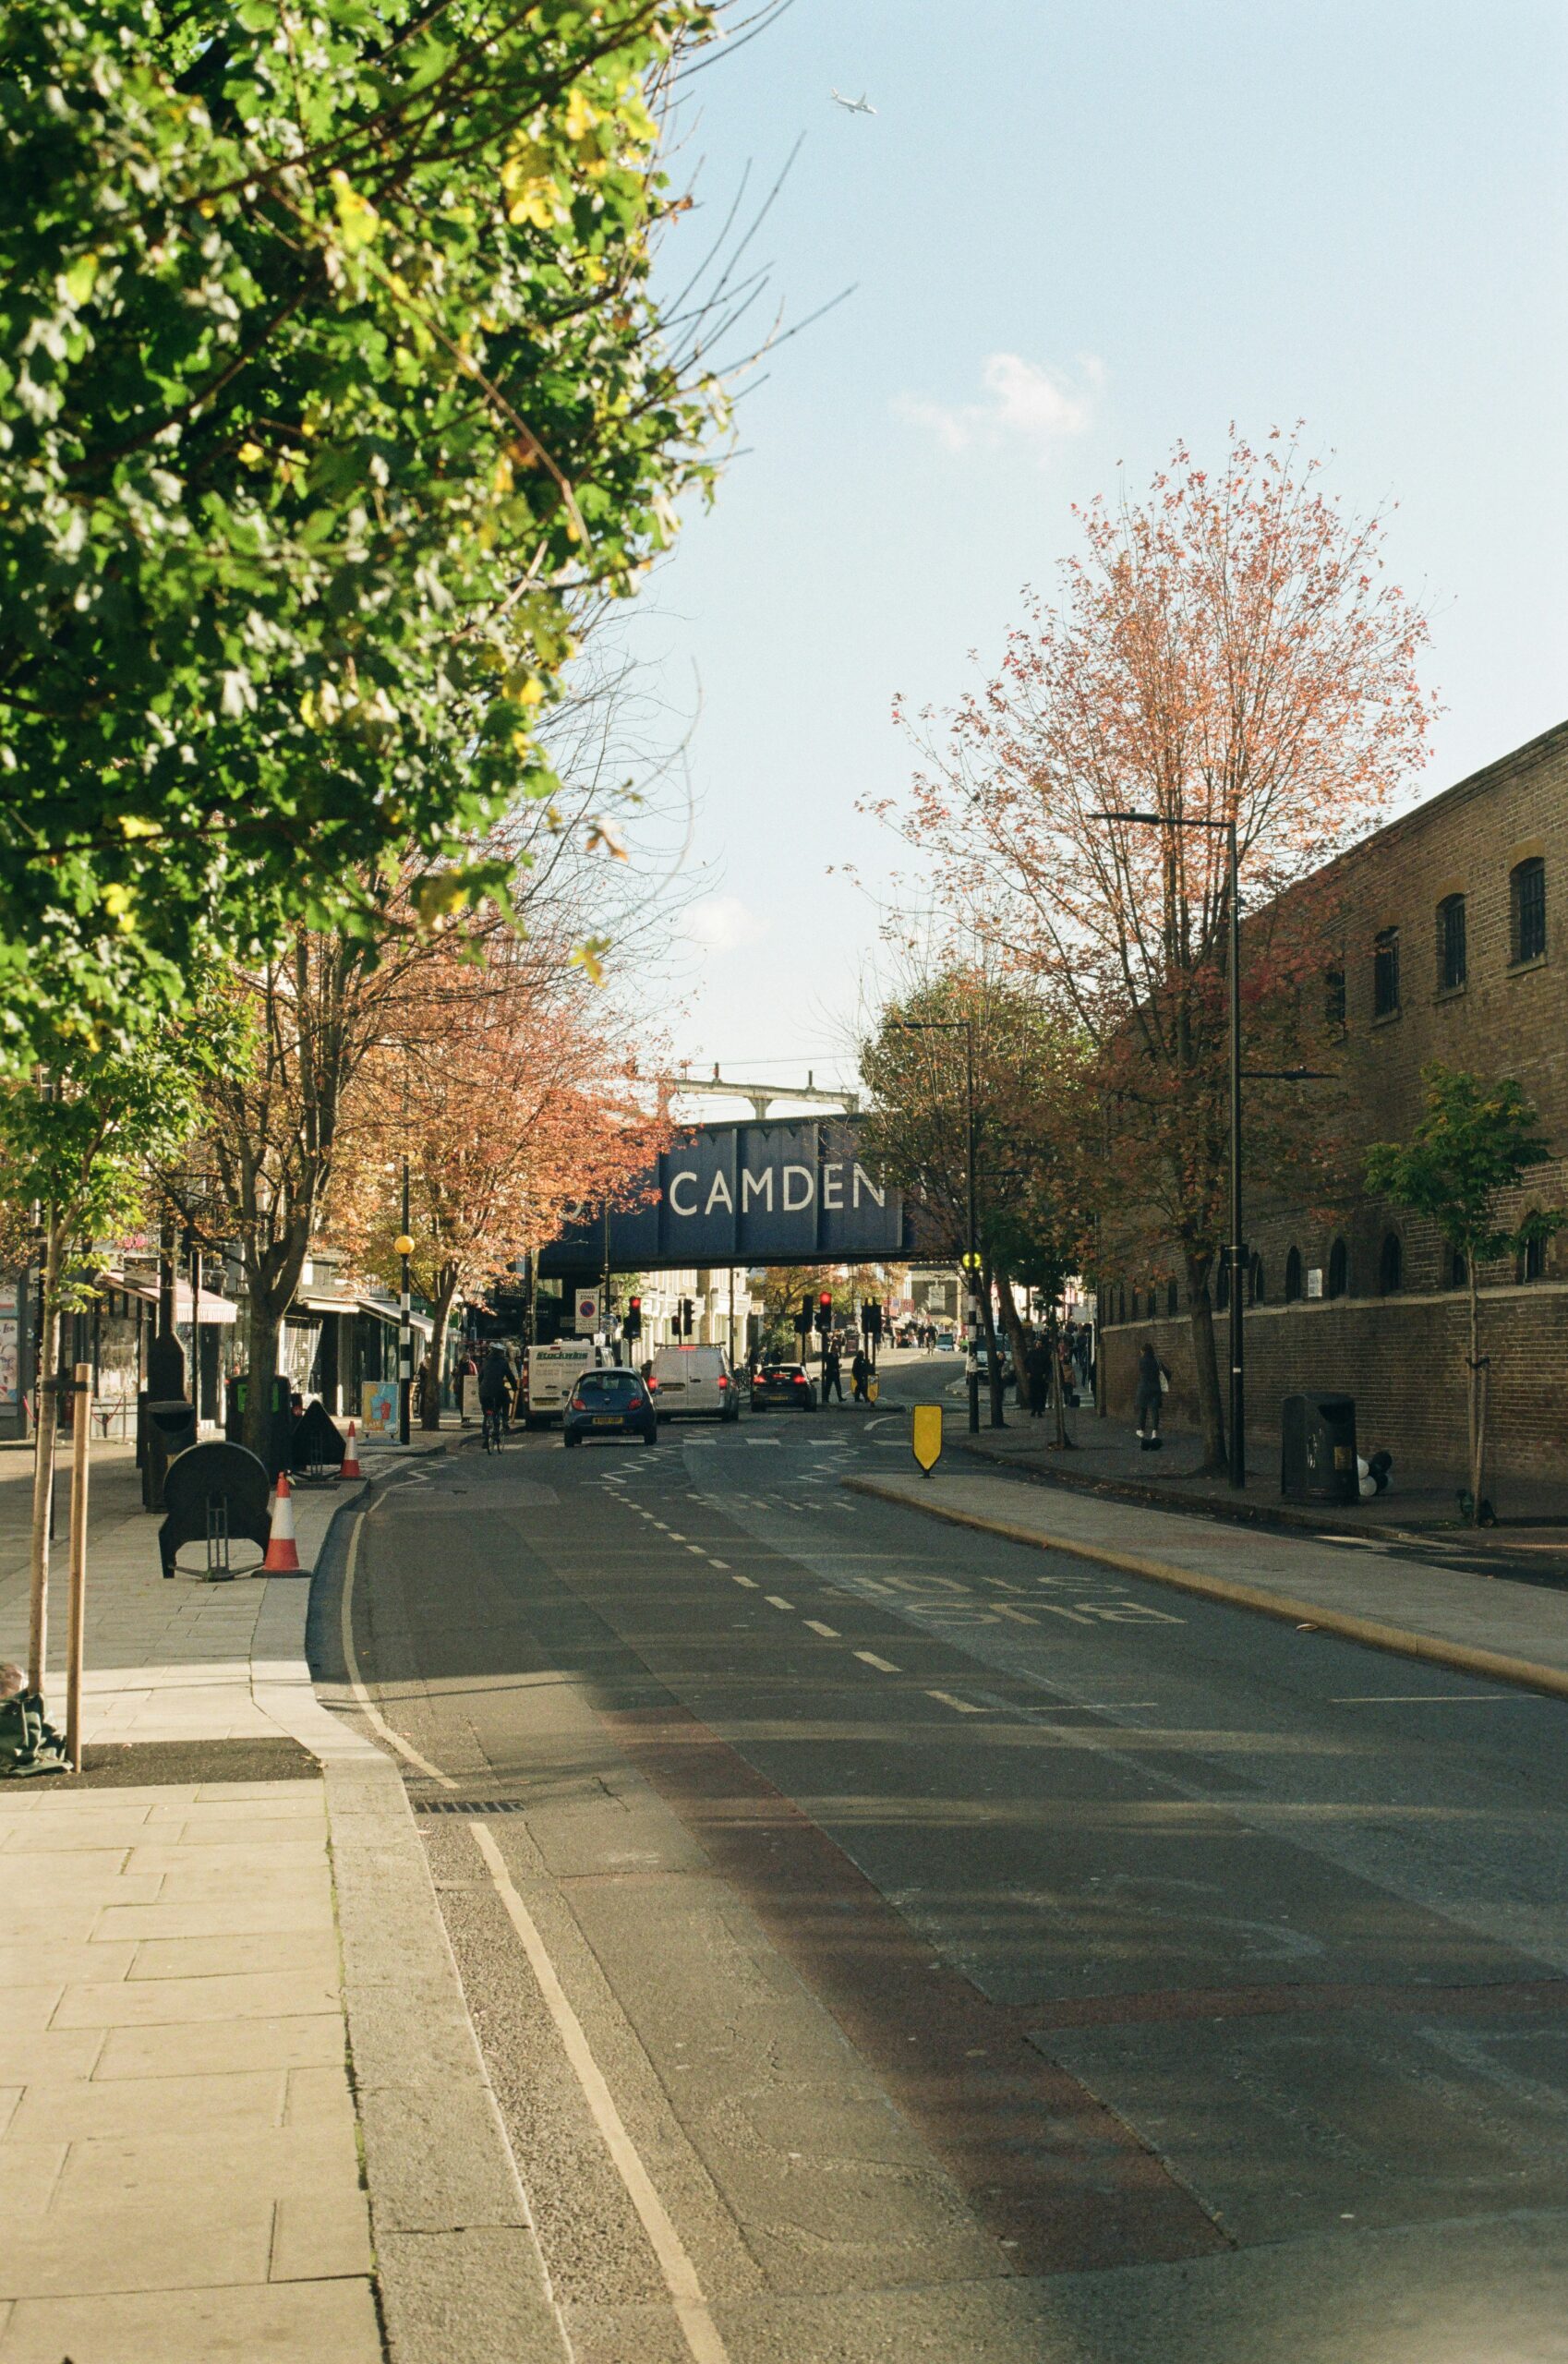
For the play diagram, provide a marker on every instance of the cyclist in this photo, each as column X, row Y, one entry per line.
column 495, row 1395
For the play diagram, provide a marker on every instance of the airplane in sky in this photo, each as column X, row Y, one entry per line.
column 852, row 106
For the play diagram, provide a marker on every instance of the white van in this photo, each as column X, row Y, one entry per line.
column 549, row 1376
column 696, row 1379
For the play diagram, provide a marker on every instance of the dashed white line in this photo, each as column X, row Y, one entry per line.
column 830, row 1632
column 716, row 1564
column 964, row 1707
column 882, row 1666
column 1000, row 1609
column 743, row 1580
column 775, row 1601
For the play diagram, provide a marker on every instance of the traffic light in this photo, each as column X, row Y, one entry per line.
column 632, row 1327
column 824, row 1311
column 686, row 1317
column 803, row 1319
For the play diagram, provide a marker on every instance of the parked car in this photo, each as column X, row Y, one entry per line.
column 607, row 1403
column 550, row 1374
column 694, row 1382
column 789, row 1384
column 947, row 1342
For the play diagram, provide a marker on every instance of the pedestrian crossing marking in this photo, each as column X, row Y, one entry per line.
column 882, row 1666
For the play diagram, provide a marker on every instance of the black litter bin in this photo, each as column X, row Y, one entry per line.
column 280, row 1420
column 167, row 1429
column 1318, row 1449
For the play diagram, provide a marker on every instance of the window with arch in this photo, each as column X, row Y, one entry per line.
column 1458, row 1269
column 1385, row 972
column 1390, row 1265
column 1257, row 1280
column 1338, row 1277
column 1532, row 1260
column 1121, row 1304
column 1451, row 968
column 1222, row 1283
column 1526, row 910
column 1173, row 1301
column 1293, row 1276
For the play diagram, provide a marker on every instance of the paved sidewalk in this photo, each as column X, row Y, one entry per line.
column 181, row 2114
column 1106, row 1455
column 1515, row 1632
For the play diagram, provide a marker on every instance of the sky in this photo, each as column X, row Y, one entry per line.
column 1075, row 233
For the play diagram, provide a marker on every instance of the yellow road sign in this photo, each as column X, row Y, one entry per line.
column 925, row 1435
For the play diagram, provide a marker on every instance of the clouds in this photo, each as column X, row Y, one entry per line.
column 1023, row 404
column 723, row 923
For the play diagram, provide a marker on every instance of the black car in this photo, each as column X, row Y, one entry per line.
column 789, row 1384
column 607, row 1403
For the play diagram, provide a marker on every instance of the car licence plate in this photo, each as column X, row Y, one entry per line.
column 606, row 1420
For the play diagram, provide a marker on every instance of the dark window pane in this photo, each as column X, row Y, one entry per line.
column 1222, row 1285
column 1532, row 1264
column 1458, row 1271
column 1257, row 1280
column 1390, row 1265
column 1171, row 1301
column 1293, row 1276
column 1385, row 973
column 1333, row 997
column 1450, row 944
column 1528, row 907
column 1339, row 1270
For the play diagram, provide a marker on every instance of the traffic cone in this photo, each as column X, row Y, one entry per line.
column 282, row 1559
column 351, row 1457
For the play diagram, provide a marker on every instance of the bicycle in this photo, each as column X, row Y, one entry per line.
column 493, row 1429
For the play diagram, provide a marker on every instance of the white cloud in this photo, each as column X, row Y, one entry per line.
column 1023, row 404
column 723, row 923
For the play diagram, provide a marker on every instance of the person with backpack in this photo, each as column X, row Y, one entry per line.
column 1148, row 1391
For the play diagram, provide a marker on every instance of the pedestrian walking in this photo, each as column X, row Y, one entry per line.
column 1148, row 1392
column 467, row 1379
column 860, row 1373
column 1037, row 1367
column 832, row 1375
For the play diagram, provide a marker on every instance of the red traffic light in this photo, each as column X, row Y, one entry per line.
column 826, row 1299
column 636, row 1305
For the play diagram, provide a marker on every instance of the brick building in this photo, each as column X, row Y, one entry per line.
column 1450, row 943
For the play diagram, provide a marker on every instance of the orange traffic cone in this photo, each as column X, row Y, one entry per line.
column 351, row 1457
column 283, row 1559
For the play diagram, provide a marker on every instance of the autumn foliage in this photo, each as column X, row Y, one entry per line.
column 1228, row 649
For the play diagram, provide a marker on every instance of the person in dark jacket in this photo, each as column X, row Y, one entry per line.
column 1147, row 1397
column 860, row 1372
column 832, row 1375
column 497, row 1386
column 1037, row 1364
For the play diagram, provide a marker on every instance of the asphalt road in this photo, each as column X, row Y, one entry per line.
column 988, row 1956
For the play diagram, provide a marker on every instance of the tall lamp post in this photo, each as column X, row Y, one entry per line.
column 964, row 1026
column 404, row 1245
column 1235, row 1252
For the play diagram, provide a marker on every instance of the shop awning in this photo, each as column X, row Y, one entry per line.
column 212, row 1312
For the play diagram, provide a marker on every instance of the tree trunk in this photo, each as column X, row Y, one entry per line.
column 441, row 1304
column 1205, row 1363
column 1476, row 1395
column 261, row 1327
column 1012, row 1322
column 994, row 1360
column 1059, row 1402
column 43, row 1466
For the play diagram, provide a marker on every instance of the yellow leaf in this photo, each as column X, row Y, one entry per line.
column 357, row 219
column 251, row 453
column 579, row 116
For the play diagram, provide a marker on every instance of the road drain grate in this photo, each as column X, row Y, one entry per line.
column 468, row 1805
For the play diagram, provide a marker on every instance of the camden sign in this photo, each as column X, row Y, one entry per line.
column 745, row 1194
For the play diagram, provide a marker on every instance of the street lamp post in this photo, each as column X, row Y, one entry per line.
column 405, row 1246
column 972, row 1257
column 1235, row 1252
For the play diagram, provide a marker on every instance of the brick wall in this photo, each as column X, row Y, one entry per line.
column 1403, row 1355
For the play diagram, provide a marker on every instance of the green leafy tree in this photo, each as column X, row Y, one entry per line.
column 1476, row 1141
column 333, row 398
column 76, row 1144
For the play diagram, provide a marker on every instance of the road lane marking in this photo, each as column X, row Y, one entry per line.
column 673, row 1536
column 697, row 2326
column 828, row 1632
column 698, row 1549
column 964, row 1707
column 1420, row 1698
column 368, row 1706
column 1021, row 1615
column 882, row 1666
column 716, row 1564
column 774, row 1600
column 743, row 1580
